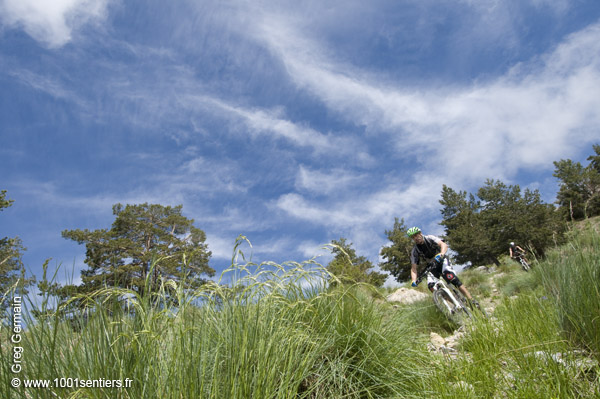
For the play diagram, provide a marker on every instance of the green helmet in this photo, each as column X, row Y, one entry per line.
column 413, row 231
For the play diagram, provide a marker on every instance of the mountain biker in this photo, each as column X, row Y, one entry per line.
column 434, row 250
column 515, row 251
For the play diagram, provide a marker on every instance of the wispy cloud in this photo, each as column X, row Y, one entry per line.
column 529, row 117
column 94, row 206
column 290, row 122
column 321, row 182
column 362, row 207
column 272, row 123
column 475, row 131
column 44, row 83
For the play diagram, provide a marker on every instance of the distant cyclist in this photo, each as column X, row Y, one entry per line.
column 434, row 250
column 516, row 252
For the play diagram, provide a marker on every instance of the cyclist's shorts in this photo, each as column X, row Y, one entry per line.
column 446, row 271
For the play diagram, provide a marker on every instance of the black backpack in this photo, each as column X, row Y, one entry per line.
column 429, row 249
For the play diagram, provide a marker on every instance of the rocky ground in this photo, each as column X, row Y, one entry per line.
column 449, row 346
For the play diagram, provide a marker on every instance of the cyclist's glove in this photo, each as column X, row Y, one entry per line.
column 439, row 258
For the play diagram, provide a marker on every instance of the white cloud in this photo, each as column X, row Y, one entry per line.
column 261, row 122
column 495, row 8
column 221, row 247
column 52, row 22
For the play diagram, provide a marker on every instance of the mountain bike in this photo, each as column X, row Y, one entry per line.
column 447, row 298
column 520, row 257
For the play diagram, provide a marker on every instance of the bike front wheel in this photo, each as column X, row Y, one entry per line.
column 454, row 313
column 524, row 264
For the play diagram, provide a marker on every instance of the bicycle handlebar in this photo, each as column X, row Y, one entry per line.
column 422, row 275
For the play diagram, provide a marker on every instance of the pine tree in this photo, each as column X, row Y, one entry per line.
column 480, row 229
column 146, row 242
column 350, row 268
column 465, row 228
column 579, row 193
column 397, row 255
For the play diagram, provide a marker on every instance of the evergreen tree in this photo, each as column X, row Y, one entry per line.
column 480, row 229
column 592, row 204
column 146, row 242
column 595, row 159
column 571, row 195
column 397, row 255
column 350, row 268
column 465, row 228
column 579, row 193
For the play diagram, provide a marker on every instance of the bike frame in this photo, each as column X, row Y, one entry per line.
column 440, row 289
column 520, row 257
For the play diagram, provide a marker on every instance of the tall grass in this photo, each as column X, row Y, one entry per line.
column 531, row 348
column 513, row 357
column 572, row 277
column 276, row 332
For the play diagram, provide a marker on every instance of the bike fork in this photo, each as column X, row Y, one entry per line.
column 451, row 299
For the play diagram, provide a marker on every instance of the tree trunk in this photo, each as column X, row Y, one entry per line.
column 571, row 210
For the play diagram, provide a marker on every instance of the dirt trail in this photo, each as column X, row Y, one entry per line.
column 449, row 345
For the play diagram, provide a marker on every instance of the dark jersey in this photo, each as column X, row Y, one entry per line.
column 429, row 249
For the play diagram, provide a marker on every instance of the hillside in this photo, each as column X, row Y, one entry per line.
column 541, row 336
column 279, row 333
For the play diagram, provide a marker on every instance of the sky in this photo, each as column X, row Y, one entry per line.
column 291, row 123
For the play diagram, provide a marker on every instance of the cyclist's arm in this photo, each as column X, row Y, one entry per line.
column 413, row 272
column 414, row 259
column 443, row 247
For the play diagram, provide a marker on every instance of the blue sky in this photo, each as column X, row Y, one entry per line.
column 292, row 123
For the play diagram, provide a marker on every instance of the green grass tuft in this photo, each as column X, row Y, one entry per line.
column 270, row 335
